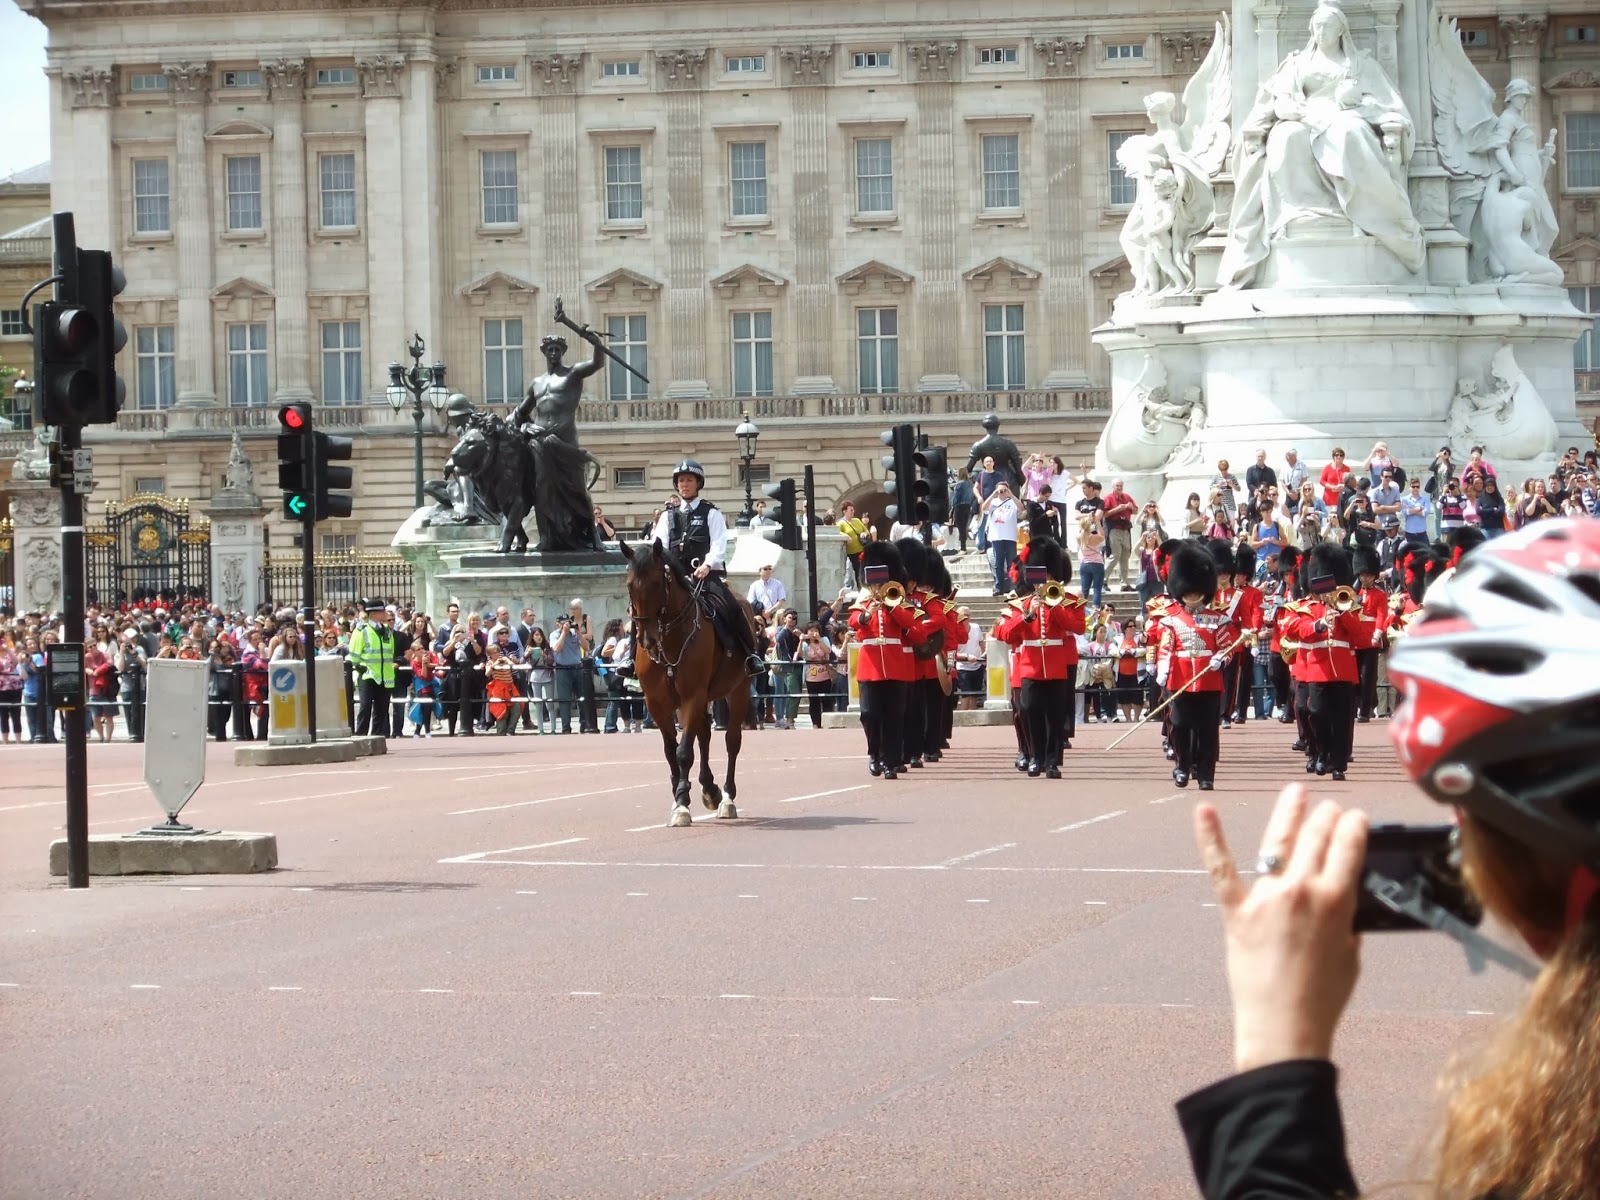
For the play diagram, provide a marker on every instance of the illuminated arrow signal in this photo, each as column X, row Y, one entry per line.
column 296, row 506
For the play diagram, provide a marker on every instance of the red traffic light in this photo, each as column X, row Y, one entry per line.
column 295, row 417
column 76, row 328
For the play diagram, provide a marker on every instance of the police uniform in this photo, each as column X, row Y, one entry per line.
column 1189, row 662
column 372, row 664
column 1046, row 638
column 885, row 664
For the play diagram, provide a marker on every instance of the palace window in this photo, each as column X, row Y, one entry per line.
column 1583, row 150
column 627, row 68
column 624, row 183
column 877, row 350
column 863, row 59
column 627, row 479
column 1120, row 188
column 337, row 179
column 996, row 55
column 1586, row 350
column 499, row 168
column 147, row 82
column 627, row 341
column 1581, row 35
column 747, row 178
column 1124, row 51
column 247, row 365
column 241, row 79
column 11, row 323
column 1002, row 172
column 747, row 64
column 150, row 485
column 151, row 208
column 335, row 76
column 497, row 73
column 1474, row 39
column 244, row 191
column 155, row 367
column 1004, row 361
column 502, row 361
column 874, row 175
column 752, row 353
column 341, row 363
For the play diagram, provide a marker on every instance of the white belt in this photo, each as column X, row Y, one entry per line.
column 885, row 642
column 1329, row 643
column 1042, row 642
column 1195, row 654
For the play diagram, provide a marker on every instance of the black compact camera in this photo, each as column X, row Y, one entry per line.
column 1410, row 869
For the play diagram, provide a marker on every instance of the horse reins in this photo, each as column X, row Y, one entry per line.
column 663, row 626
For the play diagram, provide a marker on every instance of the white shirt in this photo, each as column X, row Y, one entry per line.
column 715, row 526
column 768, row 592
column 1003, row 521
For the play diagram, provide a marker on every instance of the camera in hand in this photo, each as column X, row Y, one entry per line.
column 1408, row 864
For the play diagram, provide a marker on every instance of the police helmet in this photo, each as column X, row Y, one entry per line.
column 689, row 467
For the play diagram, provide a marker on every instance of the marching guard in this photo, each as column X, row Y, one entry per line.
column 1043, row 627
column 887, row 628
column 1276, row 596
column 1190, row 662
column 1375, row 607
column 1328, row 627
column 924, row 718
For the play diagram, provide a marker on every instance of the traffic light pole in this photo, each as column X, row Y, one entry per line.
column 811, row 540
column 72, row 614
column 308, row 639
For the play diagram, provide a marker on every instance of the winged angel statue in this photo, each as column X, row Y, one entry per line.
column 1497, row 193
column 1172, row 169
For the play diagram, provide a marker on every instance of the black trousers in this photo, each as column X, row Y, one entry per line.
column 1282, row 688
column 1331, row 708
column 1302, row 717
column 1241, row 675
column 883, row 716
column 933, row 714
column 373, row 718
column 1196, row 717
column 913, row 722
column 1020, row 726
column 1367, row 667
column 1046, row 705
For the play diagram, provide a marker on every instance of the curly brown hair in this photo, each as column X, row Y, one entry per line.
column 1526, row 1124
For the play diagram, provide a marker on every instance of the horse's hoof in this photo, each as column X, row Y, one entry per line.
column 681, row 817
column 727, row 812
column 711, row 797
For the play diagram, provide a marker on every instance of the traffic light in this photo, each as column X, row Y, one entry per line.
column 783, row 510
column 296, row 475
column 902, row 441
column 329, row 480
column 933, row 485
column 76, row 341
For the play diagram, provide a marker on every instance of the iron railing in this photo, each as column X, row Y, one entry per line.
column 339, row 578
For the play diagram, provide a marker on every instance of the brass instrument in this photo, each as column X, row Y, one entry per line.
column 890, row 595
column 1050, row 593
column 1344, row 599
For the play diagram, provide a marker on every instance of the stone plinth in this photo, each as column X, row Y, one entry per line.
column 168, row 854
column 298, row 755
column 237, row 550
column 36, row 544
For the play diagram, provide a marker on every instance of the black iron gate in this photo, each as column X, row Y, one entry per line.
column 148, row 548
column 341, row 578
column 8, row 565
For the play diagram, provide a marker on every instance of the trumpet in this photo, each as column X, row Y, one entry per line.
column 890, row 595
column 1344, row 599
column 1050, row 593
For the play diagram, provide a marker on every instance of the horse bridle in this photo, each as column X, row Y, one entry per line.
column 665, row 625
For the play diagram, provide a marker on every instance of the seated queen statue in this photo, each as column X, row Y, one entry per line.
column 1328, row 136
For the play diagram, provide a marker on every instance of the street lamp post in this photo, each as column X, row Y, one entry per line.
column 747, row 433
column 22, row 403
column 419, row 381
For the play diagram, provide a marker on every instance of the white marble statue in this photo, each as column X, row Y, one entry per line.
column 1172, row 169
column 1329, row 135
column 1148, row 430
column 1510, row 418
column 1498, row 197
column 33, row 460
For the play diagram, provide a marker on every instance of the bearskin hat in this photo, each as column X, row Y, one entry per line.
column 1046, row 552
column 1221, row 551
column 939, row 581
column 1164, row 553
column 914, row 553
column 1289, row 571
column 1414, row 565
column 1328, row 561
column 884, row 554
column 1192, row 569
column 1244, row 562
column 1465, row 540
column 1364, row 561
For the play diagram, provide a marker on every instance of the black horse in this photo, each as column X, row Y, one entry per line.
column 499, row 462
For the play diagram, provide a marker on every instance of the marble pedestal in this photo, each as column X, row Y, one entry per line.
column 36, row 544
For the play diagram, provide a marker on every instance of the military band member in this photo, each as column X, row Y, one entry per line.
column 887, row 629
column 1375, row 606
column 1328, row 633
column 942, row 725
column 925, row 697
column 1227, row 604
column 1044, row 626
column 1247, row 619
column 1190, row 663
column 1277, row 594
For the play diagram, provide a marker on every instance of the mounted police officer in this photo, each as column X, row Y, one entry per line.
column 697, row 533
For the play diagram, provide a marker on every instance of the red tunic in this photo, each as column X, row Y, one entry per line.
column 1375, row 610
column 1189, row 645
column 1327, row 656
column 1046, row 644
column 886, row 636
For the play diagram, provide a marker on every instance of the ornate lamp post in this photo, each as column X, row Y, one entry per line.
column 416, row 383
column 747, row 433
column 22, row 403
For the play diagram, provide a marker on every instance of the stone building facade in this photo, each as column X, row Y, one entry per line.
column 830, row 217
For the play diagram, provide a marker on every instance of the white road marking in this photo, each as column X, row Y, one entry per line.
column 35, row 804
column 493, row 775
column 756, row 866
column 10, row 985
column 1024, row 1002
column 638, row 893
column 1097, row 902
column 735, row 996
column 585, row 993
column 145, row 987
column 708, row 815
column 285, row 989
column 527, row 893
column 1177, row 1006
column 977, row 902
column 384, row 787
column 302, row 889
column 860, row 787
column 1479, row 1012
column 481, row 854
column 1090, row 821
column 961, row 858
column 1164, row 799
column 748, row 896
column 883, row 998
column 863, row 897
column 191, row 888
column 632, row 787
column 438, row 991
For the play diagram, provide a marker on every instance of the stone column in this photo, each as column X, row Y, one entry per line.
column 940, row 282
column 237, row 548
column 81, row 158
column 1523, row 38
column 386, row 183
column 420, row 119
column 556, row 79
column 191, row 227
column 36, row 543
column 807, row 69
column 286, row 79
column 678, row 73
column 1065, row 300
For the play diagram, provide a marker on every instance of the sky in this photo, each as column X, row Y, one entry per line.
column 24, row 91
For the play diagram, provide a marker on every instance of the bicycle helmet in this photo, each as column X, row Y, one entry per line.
column 1501, row 685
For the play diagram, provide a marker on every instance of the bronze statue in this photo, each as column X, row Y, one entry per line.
column 1007, row 458
column 458, row 500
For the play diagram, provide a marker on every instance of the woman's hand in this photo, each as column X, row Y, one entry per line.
column 1292, row 958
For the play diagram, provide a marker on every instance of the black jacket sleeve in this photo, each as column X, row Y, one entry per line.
column 1274, row 1133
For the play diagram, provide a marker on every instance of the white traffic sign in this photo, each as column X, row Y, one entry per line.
column 175, row 731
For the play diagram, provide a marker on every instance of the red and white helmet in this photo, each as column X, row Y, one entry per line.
column 1501, row 685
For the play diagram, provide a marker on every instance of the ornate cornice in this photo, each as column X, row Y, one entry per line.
column 444, row 77
column 189, row 82
column 1059, row 54
column 807, row 64
column 1522, row 35
column 1186, row 49
column 1574, row 80
column 92, row 87
column 285, row 78
column 557, row 73
column 380, row 75
column 680, row 69
column 934, row 59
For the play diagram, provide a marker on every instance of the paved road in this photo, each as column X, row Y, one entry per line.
column 486, row 969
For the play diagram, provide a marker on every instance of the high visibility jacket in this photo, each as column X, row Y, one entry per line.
column 372, row 653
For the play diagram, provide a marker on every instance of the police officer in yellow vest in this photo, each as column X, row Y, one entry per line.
column 372, row 663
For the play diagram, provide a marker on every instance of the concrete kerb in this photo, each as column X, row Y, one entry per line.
column 218, row 853
column 258, row 755
column 964, row 718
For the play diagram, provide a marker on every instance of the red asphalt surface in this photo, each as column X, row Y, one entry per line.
column 486, row 969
